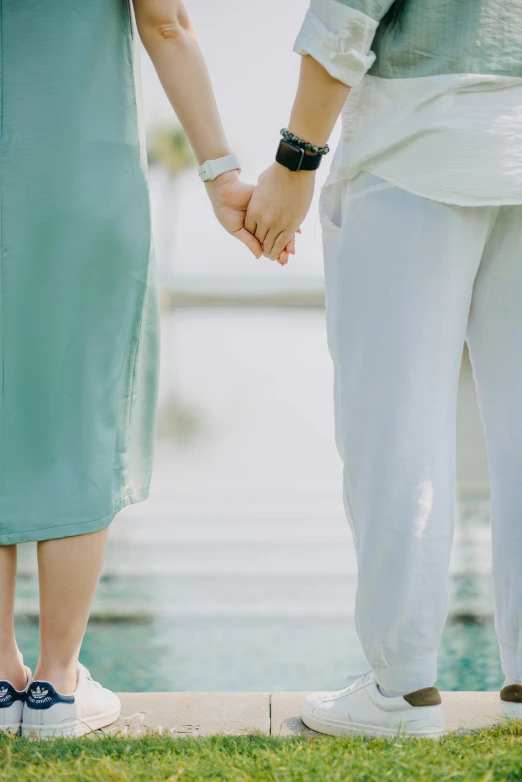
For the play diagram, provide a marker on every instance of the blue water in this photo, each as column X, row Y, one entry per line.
column 239, row 572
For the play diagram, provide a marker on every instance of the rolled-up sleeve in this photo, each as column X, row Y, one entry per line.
column 339, row 34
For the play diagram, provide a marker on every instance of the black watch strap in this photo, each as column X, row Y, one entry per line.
column 310, row 162
column 295, row 158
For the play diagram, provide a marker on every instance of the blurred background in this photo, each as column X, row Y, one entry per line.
column 239, row 572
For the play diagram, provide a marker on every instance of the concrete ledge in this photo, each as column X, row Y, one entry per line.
column 194, row 713
column 229, row 713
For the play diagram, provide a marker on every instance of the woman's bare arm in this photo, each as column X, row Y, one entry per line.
column 168, row 36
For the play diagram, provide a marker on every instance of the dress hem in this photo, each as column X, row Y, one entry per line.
column 76, row 528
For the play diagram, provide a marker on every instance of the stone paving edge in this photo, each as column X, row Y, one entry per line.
column 184, row 714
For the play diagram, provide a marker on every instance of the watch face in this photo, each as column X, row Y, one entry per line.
column 289, row 155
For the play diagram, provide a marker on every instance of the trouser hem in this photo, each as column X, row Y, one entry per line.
column 405, row 679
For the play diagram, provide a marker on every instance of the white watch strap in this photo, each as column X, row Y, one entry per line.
column 213, row 168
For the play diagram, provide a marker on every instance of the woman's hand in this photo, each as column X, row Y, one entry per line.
column 230, row 198
column 278, row 206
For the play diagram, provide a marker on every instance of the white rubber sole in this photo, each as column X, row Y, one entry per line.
column 511, row 711
column 71, row 728
column 337, row 728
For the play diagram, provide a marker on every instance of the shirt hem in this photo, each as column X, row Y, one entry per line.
column 450, row 199
column 468, row 125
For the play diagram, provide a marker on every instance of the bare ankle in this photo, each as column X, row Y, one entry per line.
column 12, row 670
column 62, row 677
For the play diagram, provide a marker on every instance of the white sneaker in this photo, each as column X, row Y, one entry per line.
column 511, row 701
column 12, row 705
column 47, row 713
column 362, row 710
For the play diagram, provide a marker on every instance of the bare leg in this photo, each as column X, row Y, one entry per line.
column 68, row 571
column 11, row 666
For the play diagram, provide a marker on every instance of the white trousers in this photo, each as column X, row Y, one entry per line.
column 408, row 280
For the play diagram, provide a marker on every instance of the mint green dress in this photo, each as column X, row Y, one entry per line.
column 79, row 325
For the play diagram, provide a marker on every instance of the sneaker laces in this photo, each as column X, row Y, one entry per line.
column 362, row 678
column 354, row 677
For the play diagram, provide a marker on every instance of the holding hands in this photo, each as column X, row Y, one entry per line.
column 230, row 198
column 282, row 198
column 278, row 206
column 284, row 193
column 279, row 203
column 266, row 218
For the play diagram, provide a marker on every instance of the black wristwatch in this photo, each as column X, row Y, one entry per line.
column 295, row 158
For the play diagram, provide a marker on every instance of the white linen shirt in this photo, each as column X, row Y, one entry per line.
column 436, row 99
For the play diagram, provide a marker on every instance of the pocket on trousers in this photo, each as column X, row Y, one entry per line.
column 331, row 205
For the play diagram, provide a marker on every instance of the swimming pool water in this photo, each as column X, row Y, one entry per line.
column 239, row 572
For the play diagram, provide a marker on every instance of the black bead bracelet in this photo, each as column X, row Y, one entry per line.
column 304, row 144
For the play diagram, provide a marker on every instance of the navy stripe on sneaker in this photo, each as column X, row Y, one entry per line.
column 42, row 695
column 8, row 695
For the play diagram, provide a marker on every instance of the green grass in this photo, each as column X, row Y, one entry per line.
column 486, row 756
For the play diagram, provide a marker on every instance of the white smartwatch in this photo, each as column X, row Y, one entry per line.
column 213, row 168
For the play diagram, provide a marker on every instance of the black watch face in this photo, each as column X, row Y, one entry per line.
column 289, row 155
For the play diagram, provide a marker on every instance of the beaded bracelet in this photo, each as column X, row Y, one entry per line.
column 304, row 144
